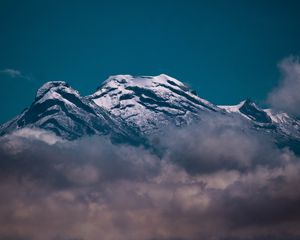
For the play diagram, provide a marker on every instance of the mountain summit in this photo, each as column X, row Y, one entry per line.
column 150, row 102
column 60, row 109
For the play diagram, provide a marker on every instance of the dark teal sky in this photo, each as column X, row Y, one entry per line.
column 226, row 50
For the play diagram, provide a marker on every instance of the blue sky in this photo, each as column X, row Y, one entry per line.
column 226, row 50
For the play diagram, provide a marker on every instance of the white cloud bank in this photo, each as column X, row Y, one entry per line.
column 213, row 182
column 286, row 96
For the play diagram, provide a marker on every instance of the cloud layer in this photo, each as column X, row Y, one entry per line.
column 215, row 181
column 286, row 95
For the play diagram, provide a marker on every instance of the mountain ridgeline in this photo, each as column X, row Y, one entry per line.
column 131, row 109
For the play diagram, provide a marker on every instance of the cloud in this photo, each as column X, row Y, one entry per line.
column 67, row 163
column 36, row 134
column 211, row 181
column 219, row 143
column 286, row 95
column 13, row 73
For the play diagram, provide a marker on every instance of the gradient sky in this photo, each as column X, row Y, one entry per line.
column 226, row 50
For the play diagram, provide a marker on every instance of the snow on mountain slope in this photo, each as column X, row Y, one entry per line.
column 60, row 109
column 276, row 122
column 250, row 110
column 150, row 102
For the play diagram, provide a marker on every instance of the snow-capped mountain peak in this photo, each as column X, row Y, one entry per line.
column 58, row 91
column 142, row 81
column 61, row 109
column 54, row 86
column 148, row 102
column 250, row 110
column 279, row 123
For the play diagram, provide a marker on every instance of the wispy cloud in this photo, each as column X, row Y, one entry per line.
column 14, row 73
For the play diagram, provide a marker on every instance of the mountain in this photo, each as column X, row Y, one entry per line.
column 150, row 103
column 60, row 109
column 130, row 109
column 266, row 118
column 282, row 127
